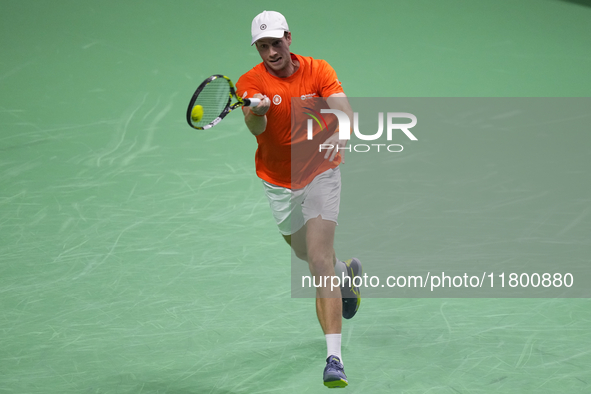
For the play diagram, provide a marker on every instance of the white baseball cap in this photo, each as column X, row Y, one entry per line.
column 268, row 24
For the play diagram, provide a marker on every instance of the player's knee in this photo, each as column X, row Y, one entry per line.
column 299, row 250
column 321, row 262
column 301, row 255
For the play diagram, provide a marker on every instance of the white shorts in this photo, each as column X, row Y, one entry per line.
column 293, row 208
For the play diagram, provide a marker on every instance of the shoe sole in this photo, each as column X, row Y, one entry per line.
column 336, row 384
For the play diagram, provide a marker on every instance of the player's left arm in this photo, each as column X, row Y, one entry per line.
column 341, row 102
column 338, row 101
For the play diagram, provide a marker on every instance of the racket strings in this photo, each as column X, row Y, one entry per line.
column 214, row 98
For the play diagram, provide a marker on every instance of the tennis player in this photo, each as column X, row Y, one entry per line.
column 305, row 209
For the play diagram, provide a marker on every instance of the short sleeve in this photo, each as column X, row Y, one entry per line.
column 327, row 79
column 246, row 87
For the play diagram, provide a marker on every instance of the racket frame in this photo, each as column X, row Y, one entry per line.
column 227, row 109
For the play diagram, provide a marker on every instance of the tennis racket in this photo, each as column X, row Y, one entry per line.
column 212, row 101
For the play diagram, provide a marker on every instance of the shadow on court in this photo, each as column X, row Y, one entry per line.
column 283, row 365
column 159, row 383
column 586, row 3
column 161, row 388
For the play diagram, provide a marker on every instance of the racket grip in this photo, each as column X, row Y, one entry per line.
column 253, row 102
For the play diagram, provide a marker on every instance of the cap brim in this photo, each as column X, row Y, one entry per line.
column 268, row 34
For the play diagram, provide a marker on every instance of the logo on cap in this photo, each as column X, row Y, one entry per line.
column 263, row 26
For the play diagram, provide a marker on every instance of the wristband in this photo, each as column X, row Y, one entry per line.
column 256, row 114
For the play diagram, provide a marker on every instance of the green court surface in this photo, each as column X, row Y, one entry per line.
column 139, row 256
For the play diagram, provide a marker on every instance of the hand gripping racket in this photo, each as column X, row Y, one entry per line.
column 212, row 101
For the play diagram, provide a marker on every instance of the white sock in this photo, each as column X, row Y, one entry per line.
column 333, row 345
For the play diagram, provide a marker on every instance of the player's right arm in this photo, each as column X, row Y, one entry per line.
column 255, row 117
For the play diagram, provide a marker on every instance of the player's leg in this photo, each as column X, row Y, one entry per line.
column 323, row 198
column 314, row 243
column 349, row 270
column 297, row 241
column 287, row 210
column 319, row 253
column 321, row 258
column 320, row 209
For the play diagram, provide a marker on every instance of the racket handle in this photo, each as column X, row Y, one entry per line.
column 253, row 102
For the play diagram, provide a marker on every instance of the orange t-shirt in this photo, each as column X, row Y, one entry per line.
column 276, row 159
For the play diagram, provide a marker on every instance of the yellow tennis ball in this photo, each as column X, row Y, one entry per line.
column 197, row 113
